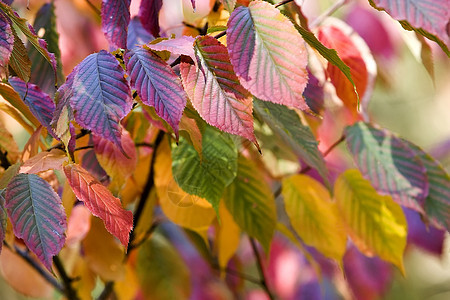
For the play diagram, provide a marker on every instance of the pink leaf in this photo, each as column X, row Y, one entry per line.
column 157, row 85
column 215, row 91
column 115, row 19
column 43, row 161
column 183, row 45
column 78, row 225
column 99, row 200
column 6, row 41
column 268, row 54
column 149, row 15
column 37, row 215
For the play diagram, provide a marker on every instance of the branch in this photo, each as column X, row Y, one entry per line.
column 83, row 132
column 338, row 4
column 97, row 11
column 69, row 291
column 259, row 264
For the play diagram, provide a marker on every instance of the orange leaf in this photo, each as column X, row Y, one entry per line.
column 99, row 200
column 44, row 161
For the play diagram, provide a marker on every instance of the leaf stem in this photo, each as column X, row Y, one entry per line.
column 283, row 2
column 36, row 266
column 259, row 264
column 331, row 10
column 69, row 291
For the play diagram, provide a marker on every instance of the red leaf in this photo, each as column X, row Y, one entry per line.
column 149, row 15
column 115, row 19
column 99, row 200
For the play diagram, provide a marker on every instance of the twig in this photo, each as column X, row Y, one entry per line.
column 36, row 266
column 83, row 148
column 236, row 273
column 97, row 11
column 259, row 264
column 331, row 10
column 152, row 228
column 106, row 291
column 149, row 145
column 283, row 2
column 83, row 133
column 69, row 291
column 219, row 35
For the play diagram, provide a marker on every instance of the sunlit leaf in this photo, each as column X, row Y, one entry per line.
column 389, row 164
column 206, row 177
column 314, row 216
column 215, row 91
column 137, row 35
column 37, row 216
column 63, row 114
column 437, row 203
column 286, row 124
column 375, row 223
column 228, row 236
column 101, row 96
column 102, row 252
column 161, row 271
column 183, row 45
column 251, row 203
column 8, row 145
column 39, row 103
column 157, row 85
column 149, row 15
column 188, row 211
column 99, row 200
column 429, row 16
column 112, row 160
column 19, row 60
column 268, row 54
column 115, row 19
column 3, row 217
column 43, row 161
column 6, row 42
column 11, row 96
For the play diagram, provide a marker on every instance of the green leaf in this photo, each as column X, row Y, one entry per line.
column 251, row 203
column 287, row 124
column 161, row 271
column 208, row 176
column 9, row 174
column 390, row 165
column 437, row 203
column 19, row 60
column 314, row 216
column 375, row 223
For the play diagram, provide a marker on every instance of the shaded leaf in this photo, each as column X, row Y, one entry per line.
column 437, row 203
column 40, row 104
column 314, row 94
column 43, row 161
column 101, row 96
column 8, row 175
column 42, row 72
column 137, row 35
column 10, row 95
column 314, row 216
column 215, row 92
column 426, row 15
column 149, row 15
column 19, row 60
column 375, row 223
column 286, row 124
column 157, row 85
column 183, row 45
column 64, row 114
column 188, row 211
column 206, row 177
column 161, row 271
column 268, row 54
column 228, row 236
column 99, row 200
column 37, row 216
column 8, row 145
column 117, row 166
column 389, row 164
column 251, row 203
column 6, row 42
column 3, row 217
column 229, row 4
column 115, row 19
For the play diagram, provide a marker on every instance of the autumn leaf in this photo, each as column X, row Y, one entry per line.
column 43, row 161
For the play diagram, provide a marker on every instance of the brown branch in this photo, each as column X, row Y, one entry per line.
column 83, row 133
column 97, row 11
column 259, row 264
column 69, row 291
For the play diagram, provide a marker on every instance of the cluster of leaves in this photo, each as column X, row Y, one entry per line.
column 193, row 104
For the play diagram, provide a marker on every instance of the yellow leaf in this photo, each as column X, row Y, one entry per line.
column 228, row 236
column 314, row 216
column 103, row 253
column 375, row 223
column 135, row 184
column 85, row 282
column 186, row 210
column 127, row 288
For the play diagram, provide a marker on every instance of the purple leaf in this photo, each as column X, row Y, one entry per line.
column 268, row 54
column 183, row 45
column 428, row 238
column 429, row 15
column 37, row 216
column 40, row 104
column 91, row 164
column 149, row 15
column 137, row 35
column 3, row 217
column 369, row 278
column 193, row 4
column 115, row 19
column 313, row 94
column 390, row 165
column 101, row 96
column 215, row 90
column 157, row 85
column 7, row 1
column 6, row 41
